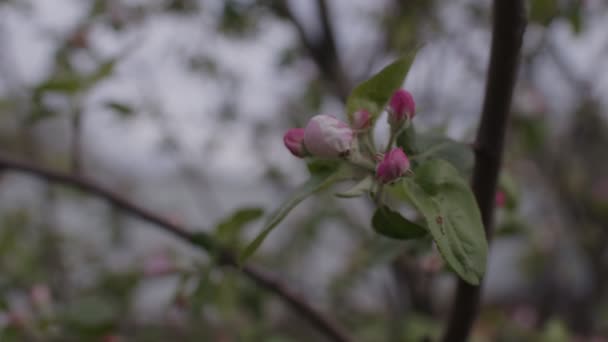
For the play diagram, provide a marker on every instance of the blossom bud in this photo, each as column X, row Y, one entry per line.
column 393, row 165
column 40, row 295
column 500, row 199
column 361, row 120
column 327, row 137
column 401, row 107
column 294, row 141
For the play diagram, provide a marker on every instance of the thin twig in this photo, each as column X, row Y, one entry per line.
column 508, row 28
column 203, row 241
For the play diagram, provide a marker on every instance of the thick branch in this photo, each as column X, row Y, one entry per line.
column 224, row 256
column 507, row 34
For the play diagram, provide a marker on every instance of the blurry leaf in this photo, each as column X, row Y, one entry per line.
column 322, row 166
column 555, row 331
column 121, row 109
column 431, row 145
column 237, row 19
column 391, row 224
column 287, row 57
column 507, row 185
column 205, row 241
column 91, row 315
column 361, row 188
column 313, row 95
column 229, row 230
column 407, row 141
column 511, row 226
column 374, row 93
column 575, row 16
column 103, row 71
column 543, row 11
column 322, row 176
column 62, row 84
column 451, row 213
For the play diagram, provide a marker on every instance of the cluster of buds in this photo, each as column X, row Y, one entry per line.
column 327, row 137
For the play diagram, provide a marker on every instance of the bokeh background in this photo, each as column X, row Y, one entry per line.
column 180, row 106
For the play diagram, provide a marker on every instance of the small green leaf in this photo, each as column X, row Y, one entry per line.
column 451, row 213
column 204, row 241
column 361, row 188
column 122, row 109
column 104, row 70
column 64, row 84
column 543, row 11
column 320, row 179
column 508, row 185
column 229, row 229
column 374, row 93
column 391, row 224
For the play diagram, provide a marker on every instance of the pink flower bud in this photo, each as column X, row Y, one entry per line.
column 393, row 166
column 327, row 137
column 361, row 119
column 500, row 199
column 40, row 295
column 401, row 107
column 294, row 141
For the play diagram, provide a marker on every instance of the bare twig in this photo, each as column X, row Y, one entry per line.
column 508, row 28
column 323, row 51
column 225, row 257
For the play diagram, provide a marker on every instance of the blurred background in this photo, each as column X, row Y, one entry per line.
column 180, row 106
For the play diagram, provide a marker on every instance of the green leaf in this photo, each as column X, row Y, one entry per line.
column 361, row 188
column 91, row 315
column 104, row 70
column 321, row 178
column 508, row 185
column 391, row 224
column 543, row 11
column 575, row 16
column 229, row 229
column 374, row 93
column 451, row 213
column 62, row 84
column 432, row 146
column 122, row 109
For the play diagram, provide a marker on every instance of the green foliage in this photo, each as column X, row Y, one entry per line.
column 228, row 231
column 428, row 146
column 91, row 315
column 391, row 224
column 359, row 189
column 451, row 213
column 374, row 93
column 119, row 108
column 323, row 174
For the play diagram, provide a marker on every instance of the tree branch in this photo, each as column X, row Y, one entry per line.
column 224, row 256
column 323, row 52
column 507, row 33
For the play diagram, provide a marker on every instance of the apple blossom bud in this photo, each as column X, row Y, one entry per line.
column 393, row 165
column 40, row 295
column 401, row 107
column 327, row 137
column 500, row 199
column 294, row 141
column 361, row 120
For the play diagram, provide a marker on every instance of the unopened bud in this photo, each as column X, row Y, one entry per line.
column 294, row 141
column 362, row 120
column 393, row 165
column 40, row 295
column 401, row 107
column 327, row 137
column 500, row 199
